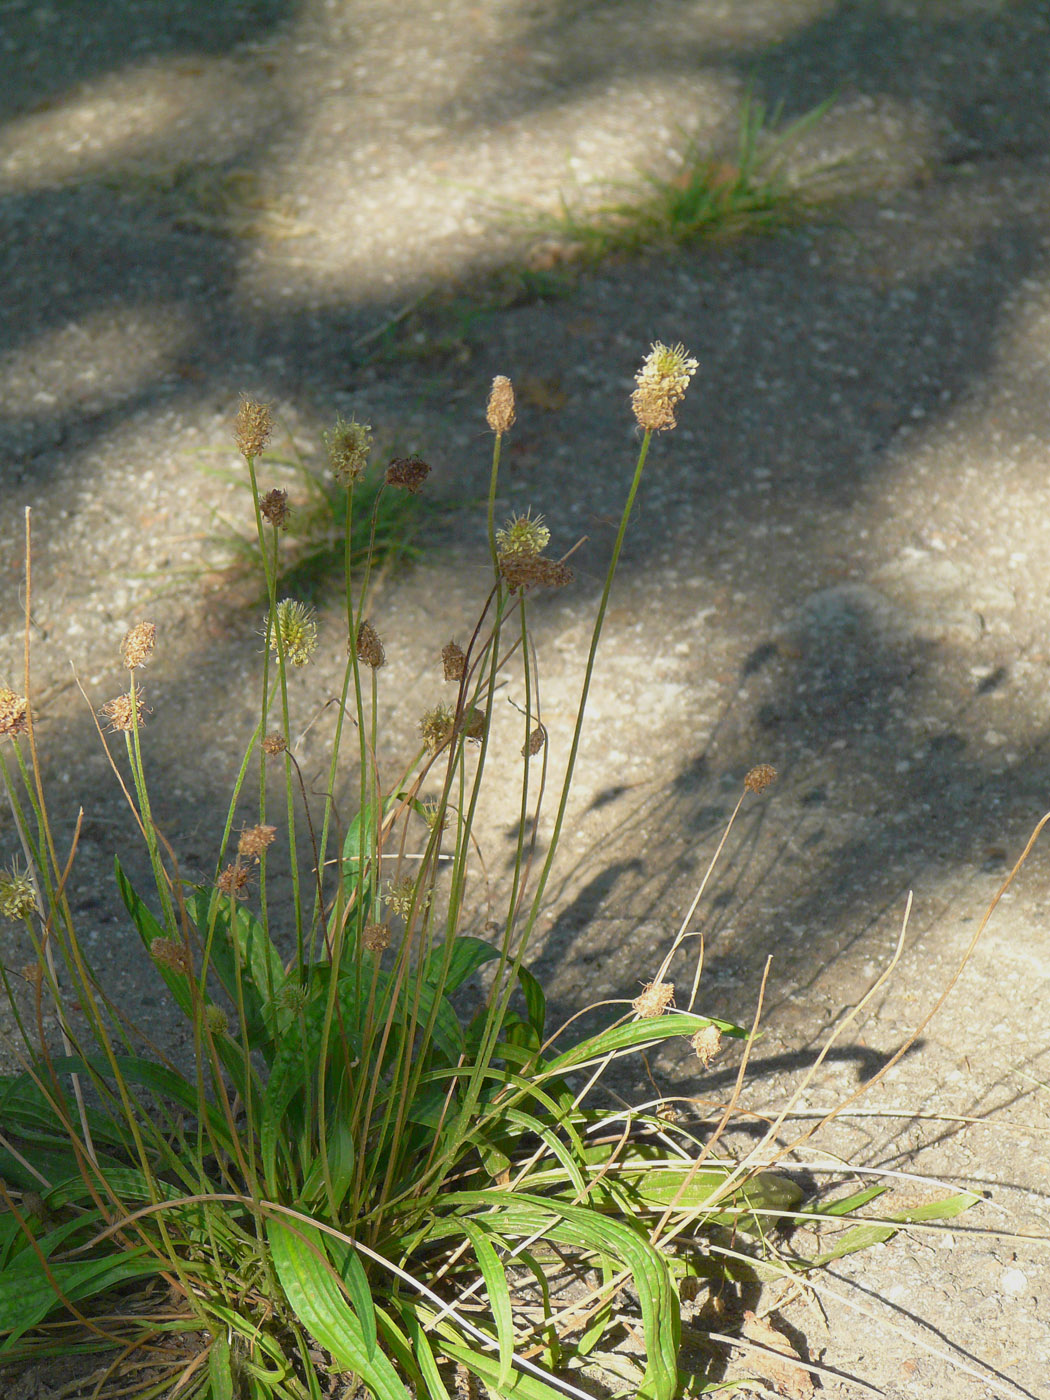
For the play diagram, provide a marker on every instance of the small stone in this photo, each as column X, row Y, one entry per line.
column 1013, row 1281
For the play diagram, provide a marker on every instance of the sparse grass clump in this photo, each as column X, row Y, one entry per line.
column 311, row 514
column 376, row 1173
column 707, row 197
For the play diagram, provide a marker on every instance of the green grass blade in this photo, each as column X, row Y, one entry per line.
column 220, row 1368
column 521, row 1384
column 634, row 1033
column 864, row 1236
column 499, row 1295
column 27, row 1296
column 308, row 1280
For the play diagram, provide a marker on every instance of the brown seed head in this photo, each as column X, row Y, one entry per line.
column 500, row 411
column 662, row 382
column 172, row 954
column 254, row 840
column 137, row 645
column 407, row 472
column 706, row 1043
column 653, row 1000
column 124, row 712
column 370, row 649
column 274, row 744
column 234, row 881
column 253, row 427
column 525, row 571
column 376, row 937
column 760, row 777
column 274, row 507
column 472, row 724
column 535, row 742
column 453, row 661
column 348, row 447
column 33, row 974
column 14, row 713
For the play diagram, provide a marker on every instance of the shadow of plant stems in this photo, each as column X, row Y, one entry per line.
column 351, row 1160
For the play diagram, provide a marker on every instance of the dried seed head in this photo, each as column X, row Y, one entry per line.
column 172, row 954
column 14, row 713
column 436, row 727
column 215, row 1019
column 293, row 997
column 136, row 648
column 760, row 777
column 253, row 427
column 525, row 571
column 435, row 814
column 653, row 1000
column 17, row 896
column 668, row 1113
column 297, row 627
column 370, row 647
column 523, row 535
column 124, row 712
column 472, row 724
column 662, row 382
column 254, row 840
column 274, row 744
column 534, row 743
column 376, row 937
column 407, row 472
column 33, row 974
column 274, row 507
column 500, row 411
column 234, row 881
column 348, row 447
column 400, row 897
column 453, row 661
column 707, row 1043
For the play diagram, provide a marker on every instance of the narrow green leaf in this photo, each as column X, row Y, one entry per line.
column 220, row 1368
column 308, row 1280
column 535, row 1001
column 864, row 1236
column 522, row 1385
column 467, row 955
column 498, row 1295
column 522, row 1213
column 846, row 1205
column 350, row 1269
column 27, row 1296
column 635, row 1033
column 420, row 1352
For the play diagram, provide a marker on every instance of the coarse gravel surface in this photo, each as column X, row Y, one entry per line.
column 839, row 564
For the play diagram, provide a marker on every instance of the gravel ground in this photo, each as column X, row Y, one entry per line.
column 839, row 564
